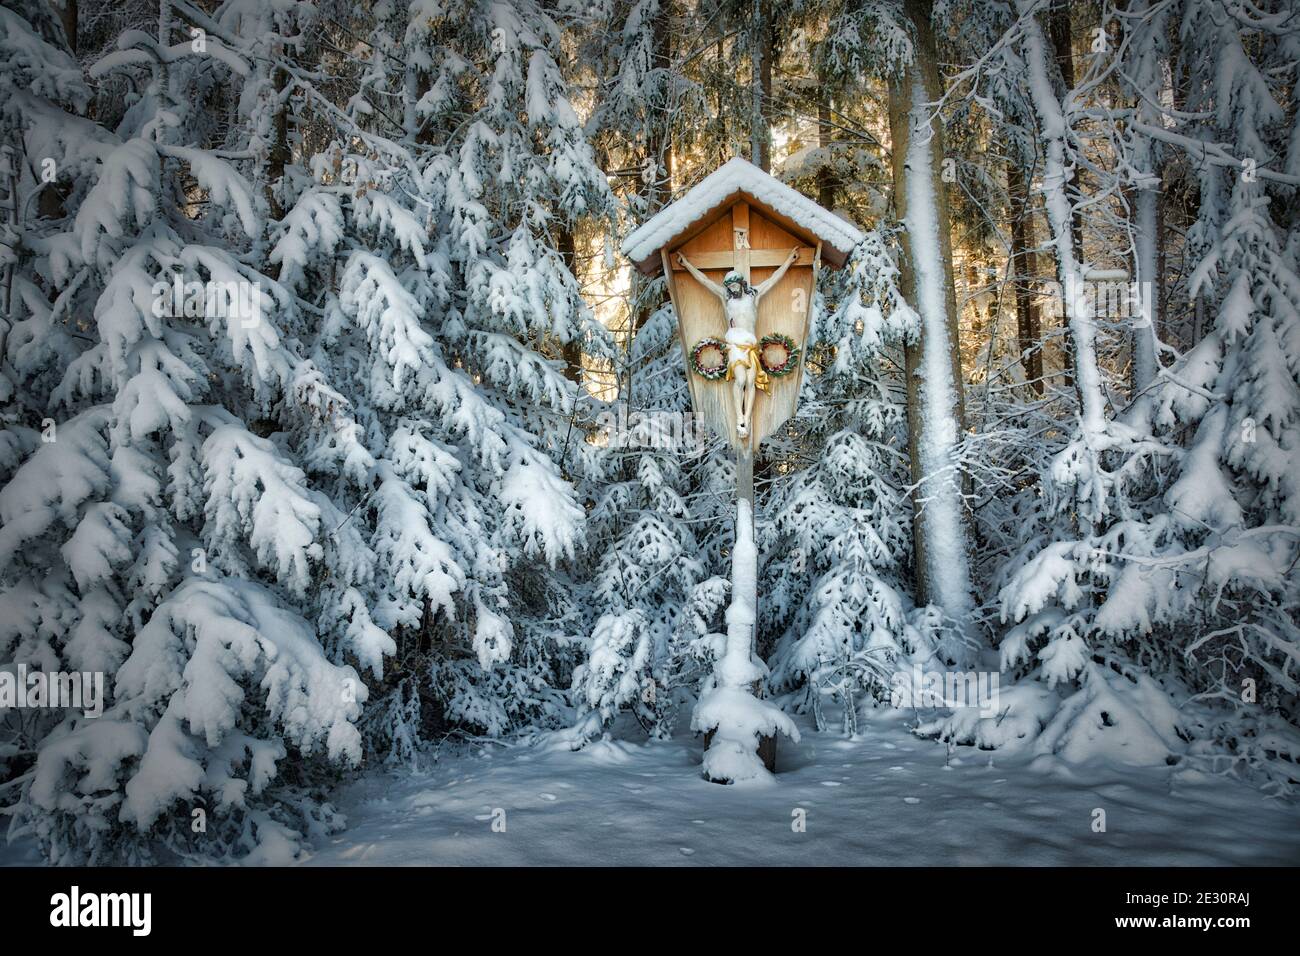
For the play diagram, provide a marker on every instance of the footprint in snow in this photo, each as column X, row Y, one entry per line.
column 547, row 796
column 685, row 851
column 911, row 799
column 830, row 783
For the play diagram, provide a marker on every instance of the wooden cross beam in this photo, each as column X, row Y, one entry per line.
column 740, row 251
column 758, row 259
column 741, row 257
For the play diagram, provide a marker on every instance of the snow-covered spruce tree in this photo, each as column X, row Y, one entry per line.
column 837, row 586
column 1013, row 403
column 1082, row 672
column 462, row 364
column 655, row 533
column 1233, row 507
column 158, row 525
column 656, row 599
column 412, row 312
column 1174, row 520
column 894, row 43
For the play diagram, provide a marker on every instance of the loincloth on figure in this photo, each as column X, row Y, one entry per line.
column 742, row 352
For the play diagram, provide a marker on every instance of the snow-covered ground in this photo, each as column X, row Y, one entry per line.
column 886, row 798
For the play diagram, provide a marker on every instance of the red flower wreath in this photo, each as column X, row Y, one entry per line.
column 778, row 365
column 708, row 366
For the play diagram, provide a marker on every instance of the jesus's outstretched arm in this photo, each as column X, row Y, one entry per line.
column 775, row 277
column 703, row 279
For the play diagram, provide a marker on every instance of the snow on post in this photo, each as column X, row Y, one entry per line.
column 728, row 710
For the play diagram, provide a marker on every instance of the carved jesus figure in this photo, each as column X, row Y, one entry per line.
column 740, row 303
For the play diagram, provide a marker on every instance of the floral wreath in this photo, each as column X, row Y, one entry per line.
column 713, row 373
column 792, row 354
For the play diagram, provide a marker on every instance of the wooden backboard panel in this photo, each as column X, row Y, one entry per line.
column 784, row 309
column 700, row 315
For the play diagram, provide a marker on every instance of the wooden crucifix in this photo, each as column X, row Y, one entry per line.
column 741, row 252
column 757, row 253
column 747, row 365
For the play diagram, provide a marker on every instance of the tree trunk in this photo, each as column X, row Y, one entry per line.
column 68, row 17
column 1024, row 268
column 1148, row 76
column 1162, row 263
column 1146, row 273
column 1062, row 35
column 567, row 248
column 279, row 154
column 825, row 176
column 656, row 191
column 9, row 184
column 935, row 410
column 760, row 148
column 1059, row 215
column 50, row 202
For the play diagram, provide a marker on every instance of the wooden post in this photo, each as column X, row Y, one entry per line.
column 745, row 493
column 740, row 238
column 744, row 457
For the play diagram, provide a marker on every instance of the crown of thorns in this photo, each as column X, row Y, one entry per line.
column 733, row 278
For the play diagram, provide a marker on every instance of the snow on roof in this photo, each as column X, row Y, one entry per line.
column 719, row 188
